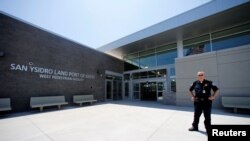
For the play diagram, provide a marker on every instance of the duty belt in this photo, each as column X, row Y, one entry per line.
column 200, row 99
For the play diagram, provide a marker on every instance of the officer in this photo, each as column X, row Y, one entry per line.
column 202, row 100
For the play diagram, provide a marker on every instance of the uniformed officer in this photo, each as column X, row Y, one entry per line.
column 202, row 100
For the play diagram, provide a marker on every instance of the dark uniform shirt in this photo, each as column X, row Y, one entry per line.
column 203, row 90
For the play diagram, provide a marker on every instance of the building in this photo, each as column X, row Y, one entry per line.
column 34, row 62
column 161, row 61
column 157, row 63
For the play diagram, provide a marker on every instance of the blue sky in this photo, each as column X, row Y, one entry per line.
column 96, row 22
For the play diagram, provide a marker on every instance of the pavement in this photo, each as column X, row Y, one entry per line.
column 112, row 121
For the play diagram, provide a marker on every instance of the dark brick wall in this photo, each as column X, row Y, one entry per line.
column 29, row 46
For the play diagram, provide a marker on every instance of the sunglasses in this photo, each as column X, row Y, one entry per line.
column 200, row 75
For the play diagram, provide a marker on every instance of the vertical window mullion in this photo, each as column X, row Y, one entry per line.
column 211, row 45
column 156, row 62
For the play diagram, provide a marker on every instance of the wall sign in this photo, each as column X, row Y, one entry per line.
column 49, row 73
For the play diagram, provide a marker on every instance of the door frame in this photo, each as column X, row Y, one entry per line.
column 111, row 81
column 107, row 72
column 164, row 80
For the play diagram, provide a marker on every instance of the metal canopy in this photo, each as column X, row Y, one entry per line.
column 219, row 21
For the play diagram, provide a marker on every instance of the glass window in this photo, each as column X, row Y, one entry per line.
column 147, row 58
column 196, row 40
column 166, row 57
column 172, row 71
column 136, row 87
column 161, row 86
column 135, row 61
column 111, row 77
column 166, row 47
column 136, row 75
column 148, row 74
column 147, row 61
column 197, row 45
column 231, row 41
column 173, row 85
column 231, row 31
column 126, row 76
column 144, row 74
column 117, row 78
column 197, row 48
column 152, row 73
column 162, row 73
column 136, row 91
column 147, row 52
column 131, row 62
column 129, row 66
column 160, row 90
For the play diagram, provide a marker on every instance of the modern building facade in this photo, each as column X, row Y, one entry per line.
column 34, row 62
column 157, row 63
column 161, row 61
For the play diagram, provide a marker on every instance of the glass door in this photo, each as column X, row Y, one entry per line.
column 148, row 91
column 117, row 89
column 161, row 88
column 126, row 90
column 108, row 91
column 136, row 91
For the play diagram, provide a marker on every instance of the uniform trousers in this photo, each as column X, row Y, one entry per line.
column 202, row 106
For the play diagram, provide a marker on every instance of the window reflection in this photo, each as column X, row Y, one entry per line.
column 172, row 71
column 162, row 73
column 149, row 74
column 197, row 49
column 166, row 57
column 152, row 73
column 227, row 38
column 231, row 41
column 147, row 61
column 163, row 55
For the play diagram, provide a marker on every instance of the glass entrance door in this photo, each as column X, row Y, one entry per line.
column 148, row 91
column 109, row 88
column 126, row 89
column 117, row 89
column 113, row 89
column 136, row 91
column 161, row 87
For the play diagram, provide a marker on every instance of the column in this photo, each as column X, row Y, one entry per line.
column 180, row 48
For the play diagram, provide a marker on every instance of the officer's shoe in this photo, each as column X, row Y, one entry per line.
column 193, row 129
column 208, row 132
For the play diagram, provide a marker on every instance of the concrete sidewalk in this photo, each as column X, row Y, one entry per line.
column 114, row 121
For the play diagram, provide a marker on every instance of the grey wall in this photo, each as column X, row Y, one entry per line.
column 228, row 69
column 29, row 46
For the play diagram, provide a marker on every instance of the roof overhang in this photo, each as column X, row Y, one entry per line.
column 212, row 16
